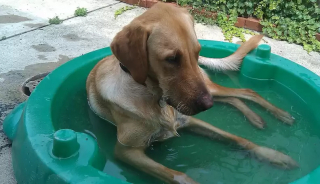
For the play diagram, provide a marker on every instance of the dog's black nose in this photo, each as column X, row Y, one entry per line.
column 204, row 102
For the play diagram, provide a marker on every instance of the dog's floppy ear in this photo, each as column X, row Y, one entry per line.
column 130, row 47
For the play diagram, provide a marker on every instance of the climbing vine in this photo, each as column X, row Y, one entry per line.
column 228, row 29
column 295, row 21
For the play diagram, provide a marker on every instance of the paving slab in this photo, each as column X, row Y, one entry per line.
column 72, row 38
column 6, row 174
column 17, row 16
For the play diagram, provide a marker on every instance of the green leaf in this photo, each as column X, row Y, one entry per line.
column 307, row 47
column 241, row 11
column 301, row 7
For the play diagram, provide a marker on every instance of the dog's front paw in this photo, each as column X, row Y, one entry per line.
column 284, row 116
column 275, row 157
column 183, row 179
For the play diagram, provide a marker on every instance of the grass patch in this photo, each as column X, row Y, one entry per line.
column 55, row 20
column 122, row 10
column 80, row 12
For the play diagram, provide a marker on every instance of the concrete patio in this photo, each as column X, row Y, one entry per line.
column 32, row 46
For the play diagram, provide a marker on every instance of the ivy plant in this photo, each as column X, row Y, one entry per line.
column 295, row 21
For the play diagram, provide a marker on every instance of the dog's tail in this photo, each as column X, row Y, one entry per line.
column 233, row 61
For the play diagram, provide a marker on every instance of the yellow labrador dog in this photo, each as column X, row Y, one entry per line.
column 152, row 85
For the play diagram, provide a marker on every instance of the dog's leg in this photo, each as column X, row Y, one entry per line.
column 262, row 153
column 137, row 158
column 255, row 119
column 220, row 91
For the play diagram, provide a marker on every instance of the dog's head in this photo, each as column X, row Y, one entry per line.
column 161, row 44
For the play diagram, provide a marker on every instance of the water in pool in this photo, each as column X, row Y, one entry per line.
column 209, row 161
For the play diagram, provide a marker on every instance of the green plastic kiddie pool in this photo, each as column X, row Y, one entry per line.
column 57, row 139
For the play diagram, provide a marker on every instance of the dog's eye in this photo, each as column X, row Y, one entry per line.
column 172, row 59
